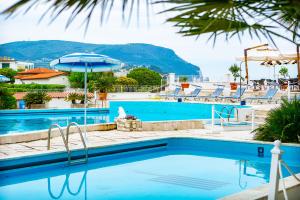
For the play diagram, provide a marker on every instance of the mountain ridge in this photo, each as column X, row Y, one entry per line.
column 43, row 51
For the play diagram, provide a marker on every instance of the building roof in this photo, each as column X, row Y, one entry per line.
column 39, row 76
column 38, row 73
column 20, row 95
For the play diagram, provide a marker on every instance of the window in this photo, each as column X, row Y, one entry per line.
column 5, row 65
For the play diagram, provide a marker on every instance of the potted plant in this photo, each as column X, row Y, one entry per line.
column 285, row 73
column 36, row 100
column 103, row 85
column 235, row 71
column 72, row 97
column 184, row 83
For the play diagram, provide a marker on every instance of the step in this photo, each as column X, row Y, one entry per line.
column 78, row 161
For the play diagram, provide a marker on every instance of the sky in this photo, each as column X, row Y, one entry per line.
column 214, row 61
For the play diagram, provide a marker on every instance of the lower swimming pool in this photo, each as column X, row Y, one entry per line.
column 174, row 168
column 18, row 121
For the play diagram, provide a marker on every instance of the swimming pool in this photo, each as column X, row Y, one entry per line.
column 172, row 168
column 18, row 121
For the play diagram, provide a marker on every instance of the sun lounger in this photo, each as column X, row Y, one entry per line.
column 268, row 96
column 193, row 94
column 213, row 95
column 172, row 94
column 239, row 93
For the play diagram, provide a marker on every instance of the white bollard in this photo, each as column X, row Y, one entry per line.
column 274, row 171
column 212, row 117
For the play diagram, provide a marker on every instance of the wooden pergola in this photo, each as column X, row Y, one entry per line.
column 284, row 58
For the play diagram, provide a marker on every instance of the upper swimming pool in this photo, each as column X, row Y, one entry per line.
column 18, row 121
column 171, row 168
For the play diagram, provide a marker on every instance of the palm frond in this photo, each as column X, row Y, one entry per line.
column 192, row 17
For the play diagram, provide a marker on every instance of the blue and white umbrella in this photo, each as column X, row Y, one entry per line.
column 4, row 79
column 85, row 62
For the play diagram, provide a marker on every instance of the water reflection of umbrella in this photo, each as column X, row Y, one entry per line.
column 85, row 62
column 4, row 79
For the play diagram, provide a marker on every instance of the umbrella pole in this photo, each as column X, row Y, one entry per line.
column 85, row 100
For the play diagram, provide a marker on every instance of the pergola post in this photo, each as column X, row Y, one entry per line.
column 246, row 59
column 298, row 61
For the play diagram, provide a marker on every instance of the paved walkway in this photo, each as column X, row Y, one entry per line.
column 104, row 138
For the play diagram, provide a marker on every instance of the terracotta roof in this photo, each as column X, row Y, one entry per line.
column 39, row 76
column 20, row 95
column 37, row 71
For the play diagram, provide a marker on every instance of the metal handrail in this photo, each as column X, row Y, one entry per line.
column 81, row 136
column 63, row 137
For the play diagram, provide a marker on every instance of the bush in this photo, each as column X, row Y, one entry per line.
column 9, row 73
column 76, row 79
column 7, row 100
column 145, row 76
column 281, row 123
column 104, row 84
column 36, row 98
column 125, row 81
column 33, row 86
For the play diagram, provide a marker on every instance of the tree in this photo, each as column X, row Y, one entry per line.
column 123, row 80
column 284, row 72
column 104, row 84
column 145, row 76
column 235, row 71
column 281, row 123
column 9, row 73
column 194, row 18
column 39, row 97
column 7, row 100
column 77, row 78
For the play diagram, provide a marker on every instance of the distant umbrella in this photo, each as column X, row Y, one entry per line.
column 4, row 79
column 86, row 62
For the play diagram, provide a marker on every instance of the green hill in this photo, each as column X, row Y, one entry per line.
column 42, row 52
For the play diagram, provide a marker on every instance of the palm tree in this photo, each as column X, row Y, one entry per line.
column 259, row 18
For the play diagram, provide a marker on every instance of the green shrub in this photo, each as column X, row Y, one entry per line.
column 36, row 98
column 282, row 123
column 9, row 73
column 76, row 79
column 72, row 97
column 33, row 86
column 7, row 100
column 145, row 76
column 125, row 81
column 104, row 83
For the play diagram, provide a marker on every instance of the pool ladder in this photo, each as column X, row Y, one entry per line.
column 66, row 142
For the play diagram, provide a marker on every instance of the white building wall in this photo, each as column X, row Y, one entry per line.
column 63, row 80
column 59, row 103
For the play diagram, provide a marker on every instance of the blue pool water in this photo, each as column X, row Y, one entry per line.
column 179, row 169
column 28, row 120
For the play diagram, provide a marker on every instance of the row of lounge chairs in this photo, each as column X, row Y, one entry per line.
column 217, row 95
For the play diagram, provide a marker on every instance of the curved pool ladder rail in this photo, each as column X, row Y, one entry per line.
column 229, row 112
column 82, row 140
column 66, row 142
column 62, row 136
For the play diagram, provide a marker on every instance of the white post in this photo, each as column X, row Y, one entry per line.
column 252, row 119
column 212, row 116
column 274, row 171
column 289, row 91
column 85, row 100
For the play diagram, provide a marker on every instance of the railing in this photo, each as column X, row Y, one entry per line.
column 223, row 116
column 137, row 88
column 66, row 142
column 62, row 136
column 276, row 173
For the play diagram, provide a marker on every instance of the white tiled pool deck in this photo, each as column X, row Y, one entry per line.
column 104, row 138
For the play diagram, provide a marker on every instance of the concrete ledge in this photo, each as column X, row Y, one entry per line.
column 261, row 192
column 40, row 135
column 172, row 125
